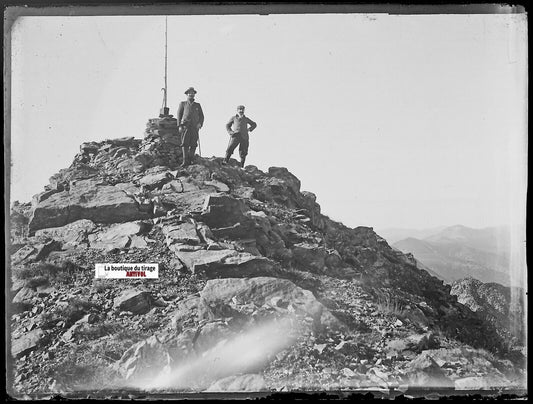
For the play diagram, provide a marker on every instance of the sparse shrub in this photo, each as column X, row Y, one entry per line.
column 36, row 281
column 95, row 331
column 150, row 325
column 23, row 273
column 110, row 349
column 60, row 273
column 101, row 285
column 351, row 321
column 67, row 271
column 74, row 311
column 48, row 320
column 47, row 269
column 389, row 304
column 131, row 337
column 81, row 304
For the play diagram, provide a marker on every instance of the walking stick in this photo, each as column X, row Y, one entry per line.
column 199, row 147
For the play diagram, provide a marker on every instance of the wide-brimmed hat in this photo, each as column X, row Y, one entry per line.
column 190, row 90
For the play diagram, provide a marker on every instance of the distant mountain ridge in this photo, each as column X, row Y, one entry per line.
column 458, row 252
column 489, row 239
column 394, row 234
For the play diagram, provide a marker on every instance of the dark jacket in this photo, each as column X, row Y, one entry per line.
column 237, row 124
column 190, row 114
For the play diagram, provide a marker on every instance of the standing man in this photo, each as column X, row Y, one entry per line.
column 190, row 120
column 238, row 129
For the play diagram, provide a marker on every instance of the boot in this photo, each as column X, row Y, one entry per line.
column 243, row 159
column 184, row 156
column 226, row 159
column 192, row 151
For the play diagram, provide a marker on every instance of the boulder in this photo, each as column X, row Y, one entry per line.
column 186, row 185
column 89, row 147
column 310, row 257
column 280, row 186
column 192, row 201
column 86, row 199
column 226, row 263
column 26, row 343
column 70, row 235
column 145, row 358
column 22, row 254
column 200, row 260
column 45, row 289
column 239, row 230
column 291, row 181
column 217, row 185
column 186, row 309
column 67, row 177
column 44, row 195
column 181, row 233
column 157, row 180
column 116, row 236
column 35, row 252
column 25, row 295
column 219, row 293
column 135, row 301
column 243, row 192
column 222, row 210
column 127, row 141
column 424, row 371
column 70, row 334
column 16, row 285
column 138, row 242
column 244, row 265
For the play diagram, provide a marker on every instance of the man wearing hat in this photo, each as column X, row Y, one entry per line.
column 238, row 129
column 190, row 120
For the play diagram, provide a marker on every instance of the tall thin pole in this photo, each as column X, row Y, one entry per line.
column 166, row 42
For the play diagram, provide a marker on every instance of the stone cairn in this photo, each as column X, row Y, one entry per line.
column 160, row 147
column 161, row 141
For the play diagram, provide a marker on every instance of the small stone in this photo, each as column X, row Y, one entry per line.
column 340, row 345
column 320, row 347
column 348, row 372
column 48, row 355
column 26, row 343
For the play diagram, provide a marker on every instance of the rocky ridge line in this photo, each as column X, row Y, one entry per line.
column 237, row 249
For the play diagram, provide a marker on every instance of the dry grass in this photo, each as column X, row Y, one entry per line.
column 391, row 305
column 59, row 273
column 84, row 367
column 95, row 331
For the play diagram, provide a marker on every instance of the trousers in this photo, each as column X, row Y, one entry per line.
column 238, row 140
column 188, row 136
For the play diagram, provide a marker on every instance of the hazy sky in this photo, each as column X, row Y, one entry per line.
column 392, row 121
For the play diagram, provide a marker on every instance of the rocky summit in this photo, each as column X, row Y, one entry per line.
column 257, row 290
